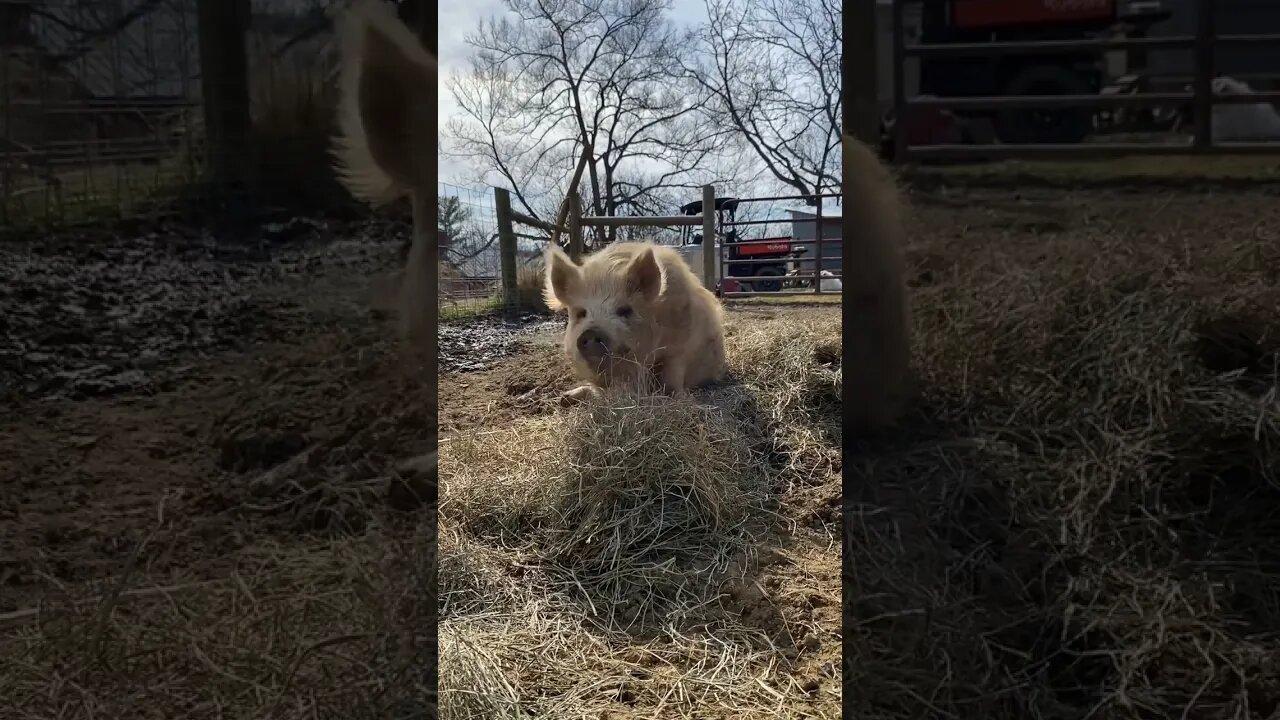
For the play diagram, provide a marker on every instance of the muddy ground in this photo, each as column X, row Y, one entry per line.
column 152, row 383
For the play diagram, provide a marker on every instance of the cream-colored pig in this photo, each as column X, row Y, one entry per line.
column 636, row 309
column 876, row 368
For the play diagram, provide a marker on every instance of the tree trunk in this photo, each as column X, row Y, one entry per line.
column 224, row 80
column 610, row 204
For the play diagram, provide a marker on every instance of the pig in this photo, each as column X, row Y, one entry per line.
column 386, row 146
column 386, row 150
column 878, row 382
column 636, row 312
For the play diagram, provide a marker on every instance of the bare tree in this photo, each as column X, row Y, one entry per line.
column 771, row 69
column 561, row 76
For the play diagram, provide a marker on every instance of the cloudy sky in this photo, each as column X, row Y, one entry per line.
column 458, row 18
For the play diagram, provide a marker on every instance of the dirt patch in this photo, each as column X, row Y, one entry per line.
column 90, row 316
column 476, row 343
column 232, row 526
column 529, row 383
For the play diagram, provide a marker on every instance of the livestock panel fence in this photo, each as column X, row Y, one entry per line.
column 103, row 108
column 1201, row 98
column 469, row 259
column 759, row 267
column 97, row 100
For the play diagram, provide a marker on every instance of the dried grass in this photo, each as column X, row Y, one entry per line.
column 530, row 281
column 800, row 392
column 1081, row 519
column 556, row 665
column 627, row 500
column 288, row 634
column 294, row 106
column 610, row 537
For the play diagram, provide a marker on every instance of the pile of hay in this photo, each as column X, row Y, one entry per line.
column 628, row 500
column 587, row 556
column 796, row 380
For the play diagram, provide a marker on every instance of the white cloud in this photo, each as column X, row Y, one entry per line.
column 458, row 18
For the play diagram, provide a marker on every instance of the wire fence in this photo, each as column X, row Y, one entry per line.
column 469, row 260
column 101, row 113
column 470, row 252
column 98, row 105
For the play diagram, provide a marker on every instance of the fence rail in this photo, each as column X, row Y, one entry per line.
column 1202, row 98
column 727, row 269
column 793, row 281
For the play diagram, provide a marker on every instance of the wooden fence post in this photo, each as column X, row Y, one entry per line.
column 224, row 80
column 709, row 254
column 574, row 219
column 1206, row 32
column 861, row 102
column 817, row 244
column 506, row 246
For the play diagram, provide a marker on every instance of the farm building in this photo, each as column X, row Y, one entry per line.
column 804, row 228
column 1259, row 65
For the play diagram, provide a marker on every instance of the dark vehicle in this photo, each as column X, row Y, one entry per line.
column 768, row 276
column 1077, row 72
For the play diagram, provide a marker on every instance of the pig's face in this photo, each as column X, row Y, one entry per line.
column 609, row 300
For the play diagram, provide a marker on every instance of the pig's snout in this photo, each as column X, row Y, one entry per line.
column 592, row 344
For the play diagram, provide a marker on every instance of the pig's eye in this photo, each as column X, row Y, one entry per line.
column 579, row 314
column 624, row 311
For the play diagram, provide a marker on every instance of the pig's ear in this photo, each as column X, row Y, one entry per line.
column 386, row 106
column 562, row 278
column 644, row 277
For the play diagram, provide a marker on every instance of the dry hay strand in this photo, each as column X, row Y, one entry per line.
column 494, row 484
column 474, row 576
column 560, row 665
column 632, row 499
column 329, row 632
column 793, row 373
column 472, row 684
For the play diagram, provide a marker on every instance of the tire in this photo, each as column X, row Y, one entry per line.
column 773, row 284
column 1064, row 126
